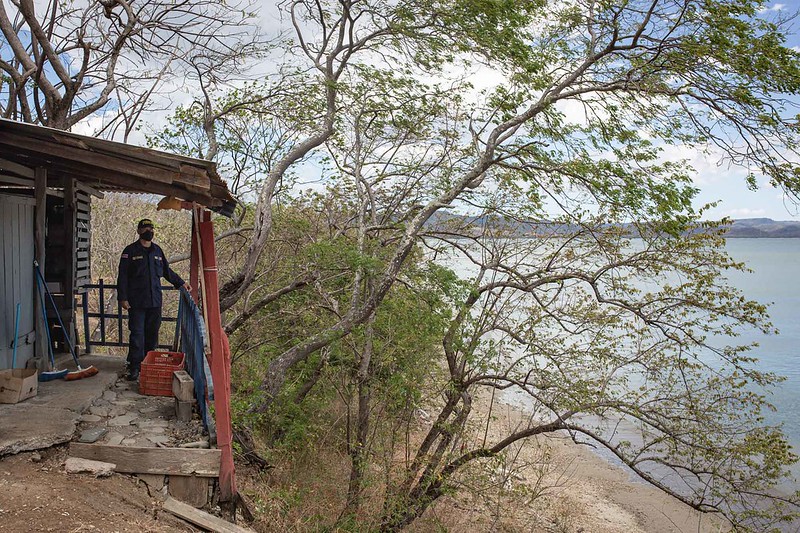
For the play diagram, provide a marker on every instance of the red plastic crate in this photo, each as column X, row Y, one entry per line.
column 155, row 376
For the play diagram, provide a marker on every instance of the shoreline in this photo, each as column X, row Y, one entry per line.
column 589, row 493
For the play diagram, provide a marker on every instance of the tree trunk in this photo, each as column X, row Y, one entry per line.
column 358, row 449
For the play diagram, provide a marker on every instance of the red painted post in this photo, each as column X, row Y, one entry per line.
column 194, row 261
column 220, row 359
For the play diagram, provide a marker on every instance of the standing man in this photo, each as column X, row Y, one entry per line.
column 141, row 267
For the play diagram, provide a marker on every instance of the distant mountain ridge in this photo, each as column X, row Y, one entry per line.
column 758, row 228
column 764, row 228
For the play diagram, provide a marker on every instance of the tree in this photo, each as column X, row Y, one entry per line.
column 643, row 75
column 641, row 71
column 64, row 62
column 615, row 342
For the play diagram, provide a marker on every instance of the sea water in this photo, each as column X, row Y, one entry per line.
column 775, row 280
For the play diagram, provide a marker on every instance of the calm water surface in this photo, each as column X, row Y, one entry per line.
column 775, row 280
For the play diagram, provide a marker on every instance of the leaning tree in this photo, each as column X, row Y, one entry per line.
column 582, row 100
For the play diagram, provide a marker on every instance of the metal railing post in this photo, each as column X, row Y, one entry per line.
column 102, row 313
column 88, row 346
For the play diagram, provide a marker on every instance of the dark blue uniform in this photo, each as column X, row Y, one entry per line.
column 139, row 282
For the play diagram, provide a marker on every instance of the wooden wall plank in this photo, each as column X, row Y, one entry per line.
column 170, row 461
column 189, row 489
column 5, row 319
column 39, row 226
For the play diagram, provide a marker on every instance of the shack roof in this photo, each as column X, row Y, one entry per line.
column 111, row 166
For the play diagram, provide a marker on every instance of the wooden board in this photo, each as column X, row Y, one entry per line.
column 16, row 168
column 189, row 489
column 200, row 518
column 170, row 461
column 89, row 190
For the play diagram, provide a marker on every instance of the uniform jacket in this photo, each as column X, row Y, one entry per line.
column 140, row 273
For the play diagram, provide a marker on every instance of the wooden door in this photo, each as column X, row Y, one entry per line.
column 17, row 283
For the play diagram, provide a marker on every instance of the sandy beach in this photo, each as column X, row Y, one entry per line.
column 580, row 491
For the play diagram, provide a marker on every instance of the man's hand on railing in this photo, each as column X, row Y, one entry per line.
column 124, row 304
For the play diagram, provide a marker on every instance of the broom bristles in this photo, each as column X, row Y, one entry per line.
column 82, row 373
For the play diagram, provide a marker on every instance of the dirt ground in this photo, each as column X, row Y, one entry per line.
column 40, row 496
column 586, row 494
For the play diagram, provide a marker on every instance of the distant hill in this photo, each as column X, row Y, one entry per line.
column 764, row 228
column 760, row 228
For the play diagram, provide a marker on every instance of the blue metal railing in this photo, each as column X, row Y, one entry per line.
column 190, row 335
column 193, row 337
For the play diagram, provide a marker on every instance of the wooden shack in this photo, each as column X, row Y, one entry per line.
column 47, row 181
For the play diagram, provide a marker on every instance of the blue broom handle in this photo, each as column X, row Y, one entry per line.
column 16, row 333
column 43, row 303
column 58, row 315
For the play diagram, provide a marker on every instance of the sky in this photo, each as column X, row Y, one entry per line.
column 717, row 182
column 725, row 184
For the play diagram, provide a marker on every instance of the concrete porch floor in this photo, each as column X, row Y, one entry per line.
column 104, row 408
column 51, row 417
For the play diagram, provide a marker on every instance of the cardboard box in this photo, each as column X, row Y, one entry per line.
column 18, row 384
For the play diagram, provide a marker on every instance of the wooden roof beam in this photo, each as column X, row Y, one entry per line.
column 106, row 162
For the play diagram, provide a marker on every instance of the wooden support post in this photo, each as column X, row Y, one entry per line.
column 220, row 358
column 39, row 228
column 71, row 248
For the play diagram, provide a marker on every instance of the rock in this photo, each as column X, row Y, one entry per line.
column 99, row 410
column 92, row 435
column 36, row 457
column 109, row 395
column 124, row 420
column 151, row 424
column 117, row 410
column 115, row 439
column 149, row 409
column 154, row 481
column 195, row 444
column 159, row 439
column 89, row 418
column 98, row 468
column 128, row 442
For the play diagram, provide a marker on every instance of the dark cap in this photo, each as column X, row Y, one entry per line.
column 145, row 222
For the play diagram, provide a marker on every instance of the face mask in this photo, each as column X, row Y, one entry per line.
column 147, row 235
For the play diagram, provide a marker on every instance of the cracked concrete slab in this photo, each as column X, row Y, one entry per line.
column 33, row 427
column 52, row 415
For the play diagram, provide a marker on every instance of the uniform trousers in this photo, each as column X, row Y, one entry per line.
column 144, row 323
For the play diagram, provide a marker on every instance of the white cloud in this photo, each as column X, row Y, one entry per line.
column 776, row 7
column 745, row 212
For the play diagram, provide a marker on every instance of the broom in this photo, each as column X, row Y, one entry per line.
column 53, row 374
column 81, row 372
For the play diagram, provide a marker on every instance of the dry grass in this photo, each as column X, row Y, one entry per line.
column 306, row 490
